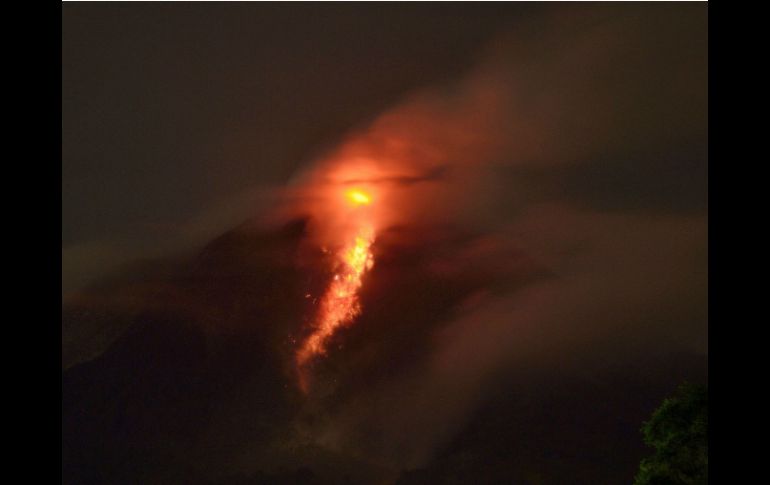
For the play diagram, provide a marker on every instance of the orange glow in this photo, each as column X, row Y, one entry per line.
column 358, row 197
column 340, row 304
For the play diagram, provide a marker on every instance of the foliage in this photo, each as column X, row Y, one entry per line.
column 678, row 430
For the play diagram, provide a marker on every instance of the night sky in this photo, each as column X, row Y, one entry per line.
column 175, row 116
column 538, row 176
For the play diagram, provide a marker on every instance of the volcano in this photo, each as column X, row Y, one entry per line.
column 380, row 244
column 198, row 387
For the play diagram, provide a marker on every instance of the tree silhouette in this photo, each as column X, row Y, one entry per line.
column 678, row 430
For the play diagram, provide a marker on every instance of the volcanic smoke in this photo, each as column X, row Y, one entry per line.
column 340, row 303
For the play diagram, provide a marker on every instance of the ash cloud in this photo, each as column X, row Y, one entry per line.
column 543, row 220
column 580, row 141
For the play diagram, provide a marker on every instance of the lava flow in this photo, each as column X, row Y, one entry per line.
column 340, row 303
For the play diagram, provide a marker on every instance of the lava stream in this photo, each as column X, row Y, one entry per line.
column 340, row 303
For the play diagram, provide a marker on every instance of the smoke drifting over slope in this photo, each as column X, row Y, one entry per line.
column 579, row 142
column 541, row 220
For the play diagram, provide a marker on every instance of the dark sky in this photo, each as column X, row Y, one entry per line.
column 172, row 110
column 540, row 177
